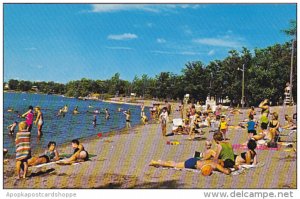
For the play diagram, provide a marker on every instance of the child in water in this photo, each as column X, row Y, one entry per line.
column 12, row 127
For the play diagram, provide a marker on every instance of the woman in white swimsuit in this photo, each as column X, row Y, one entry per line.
column 39, row 120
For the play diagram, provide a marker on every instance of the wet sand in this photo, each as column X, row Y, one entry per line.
column 122, row 162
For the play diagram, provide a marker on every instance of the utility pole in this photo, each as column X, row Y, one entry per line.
column 291, row 74
column 243, row 86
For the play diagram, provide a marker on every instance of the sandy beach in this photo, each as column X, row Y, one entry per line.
column 122, row 160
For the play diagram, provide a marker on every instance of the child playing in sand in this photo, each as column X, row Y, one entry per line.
column 251, row 125
column 163, row 117
column 23, row 149
column 12, row 127
column 223, row 127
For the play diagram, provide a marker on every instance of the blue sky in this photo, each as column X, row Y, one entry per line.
column 64, row 42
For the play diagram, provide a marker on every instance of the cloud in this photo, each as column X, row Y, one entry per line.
column 222, row 42
column 102, row 8
column 40, row 66
column 30, row 49
column 160, row 40
column 211, row 52
column 175, row 53
column 150, row 25
column 125, row 36
column 118, row 48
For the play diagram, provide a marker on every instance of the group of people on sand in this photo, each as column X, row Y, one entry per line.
column 222, row 158
column 24, row 158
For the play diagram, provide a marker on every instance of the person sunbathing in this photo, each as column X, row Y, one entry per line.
column 50, row 155
column 249, row 157
column 205, row 166
column 79, row 154
column 290, row 124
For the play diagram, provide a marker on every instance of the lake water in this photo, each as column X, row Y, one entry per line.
column 64, row 129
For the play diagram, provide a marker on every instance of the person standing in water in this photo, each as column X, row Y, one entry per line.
column 128, row 117
column 39, row 120
column 29, row 118
column 107, row 114
column 95, row 121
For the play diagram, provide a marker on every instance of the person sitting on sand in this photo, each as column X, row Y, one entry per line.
column 11, row 128
column 50, row 155
column 290, row 124
column 23, row 151
column 79, row 154
column 205, row 166
column 236, row 111
column 249, row 157
column 274, row 126
column 209, row 153
column 224, row 150
column 251, row 111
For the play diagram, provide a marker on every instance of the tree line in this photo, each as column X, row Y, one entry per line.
column 267, row 70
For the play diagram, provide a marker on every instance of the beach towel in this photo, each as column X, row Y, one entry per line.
column 22, row 145
column 247, row 166
column 233, row 172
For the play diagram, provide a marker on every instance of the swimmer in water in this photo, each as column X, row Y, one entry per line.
column 12, row 127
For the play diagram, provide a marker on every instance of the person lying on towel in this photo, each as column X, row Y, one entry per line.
column 50, row 155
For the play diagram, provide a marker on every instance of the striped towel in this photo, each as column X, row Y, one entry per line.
column 22, row 145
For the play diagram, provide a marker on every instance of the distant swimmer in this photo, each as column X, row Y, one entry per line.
column 75, row 111
column 60, row 113
column 39, row 120
column 107, row 114
column 96, row 111
column 65, row 109
column 120, row 109
column 90, row 106
column 10, row 109
column 11, row 128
